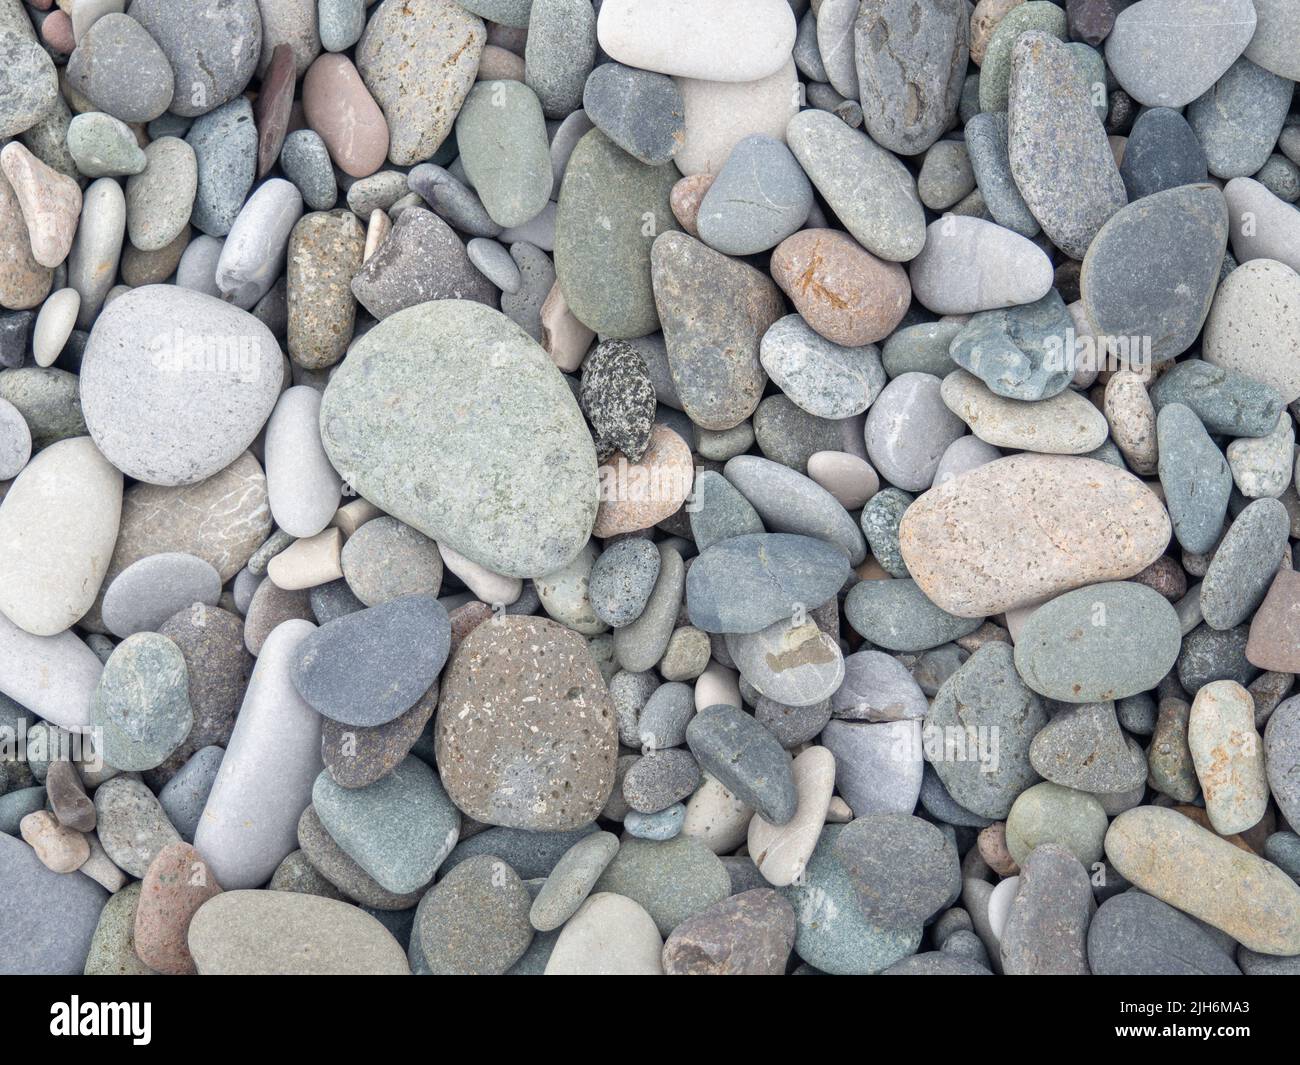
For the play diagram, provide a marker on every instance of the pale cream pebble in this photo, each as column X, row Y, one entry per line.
column 639, row 495
column 781, row 852
column 308, row 562
column 850, row 479
column 983, row 21
column 717, row 685
column 487, row 586
column 61, row 849
column 54, row 324
column 1132, row 419
column 100, row 867
column 716, row 818
column 838, row 812
column 565, row 339
column 1087, row 359
column 351, row 516
column 379, row 226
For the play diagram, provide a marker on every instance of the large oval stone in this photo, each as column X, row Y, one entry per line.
column 449, row 417
column 278, row 933
column 1076, row 521
column 1099, row 643
column 1179, row 862
column 525, row 733
column 176, row 384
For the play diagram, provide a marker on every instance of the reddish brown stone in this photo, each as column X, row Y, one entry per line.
column 685, row 200
column 1165, row 576
column 992, row 843
column 176, row 884
column 273, row 108
column 338, row 106
column 843, row 291
column 1274, row 642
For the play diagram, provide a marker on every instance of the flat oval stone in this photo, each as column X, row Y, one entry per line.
column 338, row 106
column 1048, row 813
column 673, row 880
column 822, row 377
column 983, row 699
column 1166, row 53
column 791, row 662
column 760, row 197
column 659, row 780
column 269, row 933
column 789, row 502
column 904, row 869
column 782, row 852
column 714, row 311
column 1162, row 153
column 1263, row 226
column 418, row 58
column 1244, row 564
column 1135, row 934
column 843, row 163
column 622, row 579
column 745, row 759
column 1239, row 122
column 1194, row 476
column 177, row 884
column 148, row 592
column 746, row 583
column 640, row 111
column 559, row 54
column 367, row 667
column 142, row 704
column 175, row 384
column 602, row 254
column 970, row 264
column 974, row 557
column 987, row 150
column 250, row 821
column 1171, row 857
column 121, row 70
column 131, row 824
column 638, row 495
column 845, row 293
column 908, row 429
column 610, row 935
column 479, row 467
column 501, row 133
column 225, row 151
column 897, row 615
column 159, row 201
column 878, row 687
column 58, row 522
column 550, row 763
column 878, row 766
column 733, row 41
column 53, row 676
column 1229, row 756
column 571, row 881
column 720, row 114
column 398, row 829
column 1253, row 323
column 1046, row 929
column 324, row 252
column 302, row 487
column 1099, row 643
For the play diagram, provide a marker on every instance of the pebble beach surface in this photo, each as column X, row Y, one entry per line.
column 559, row 487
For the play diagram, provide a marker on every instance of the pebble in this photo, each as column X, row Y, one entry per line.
column 609, row 935
column 50, row 203
column 213, row 49
column 878, row 687
column 60, row 849
column 1165, row 53
column 31, row 892
column 969, row 265
column 640, row 111
column 1244, row 564
column 184, row 796
column 142, row 704
column 896, row 615
column 267, row 933
column 719, row 115
column 30, row 87
column 749, row 934
column 618, row 398
column 305, row 160
column 841, row 162
column 570, row 883
column 745, row 759
column 672, row 880
column 249, row 823
column 1195, row 477
column 989, row 159
column 1168, row 856
column 1080, row 647
column 965, row 520
column 904, row 869
column 58, row 521
column 1082, row 747
column 1162, row 153
column 53, row 676
column 996, row 64
column 1229, row 756
column 1135, row 934
column 97, row 248
column 104, row 146
column 324, row 251
column 1238, row 122
column 338, row 106
column 1046, row 931
column 478, row 480
column 131, row 825
column 558, row 55
column 1252, row 324
column 119, row 67
column 1264, row 227
column 759, row 198
column 495, row 769
column 225, row 151
column 1048, row 813
column 878, row 766
column 149, row 591
column 746, row 583
column 177, row 883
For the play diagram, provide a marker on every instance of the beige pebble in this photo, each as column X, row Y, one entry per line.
column 992, row 843
column 499, row 64
column 1066, row 424
column 838, row 812
column 54, row 324
column 23, row 281
column 62, row 849
column 850, row 479
column 1229, row 756
column 716, row 818
column 687, row 655
column 379, row 226
column 487, row 586
column 781, row 852
column 983, row 21
column 309, row 562
column 717, row 685
column 100, row 867
column 50, row 202
column 564, row 338
column 351, row 516
column 1132, row 420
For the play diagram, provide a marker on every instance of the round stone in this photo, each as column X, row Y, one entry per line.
column 759, row 198
column 908, row 429
column 120, row 69
column 550, row 763
column 1253, row 325
column 904, row 869
column 622, row 579
column 148, row 592
column 672, row 880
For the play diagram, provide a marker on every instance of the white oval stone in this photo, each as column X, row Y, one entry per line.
column 781, row 852
column 610, row 935
column 302, row 485
column 54, row 324
column 58, row 524
column 54, row 677
column 1066, row 424
column 720, row 114
column 250, row 822
column 969, row 265
column 1254, row 325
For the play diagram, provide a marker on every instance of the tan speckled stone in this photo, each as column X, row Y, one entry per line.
column 1066, row 424
column 843, row 291
column 325, row 249
column 23, row 281
column 1170, row 857
column 1075, row 521
column 62, row 849
column 1132, row 419
column 50, row 202
column 525, row 734
column 984, row 20
column 1229, row 756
